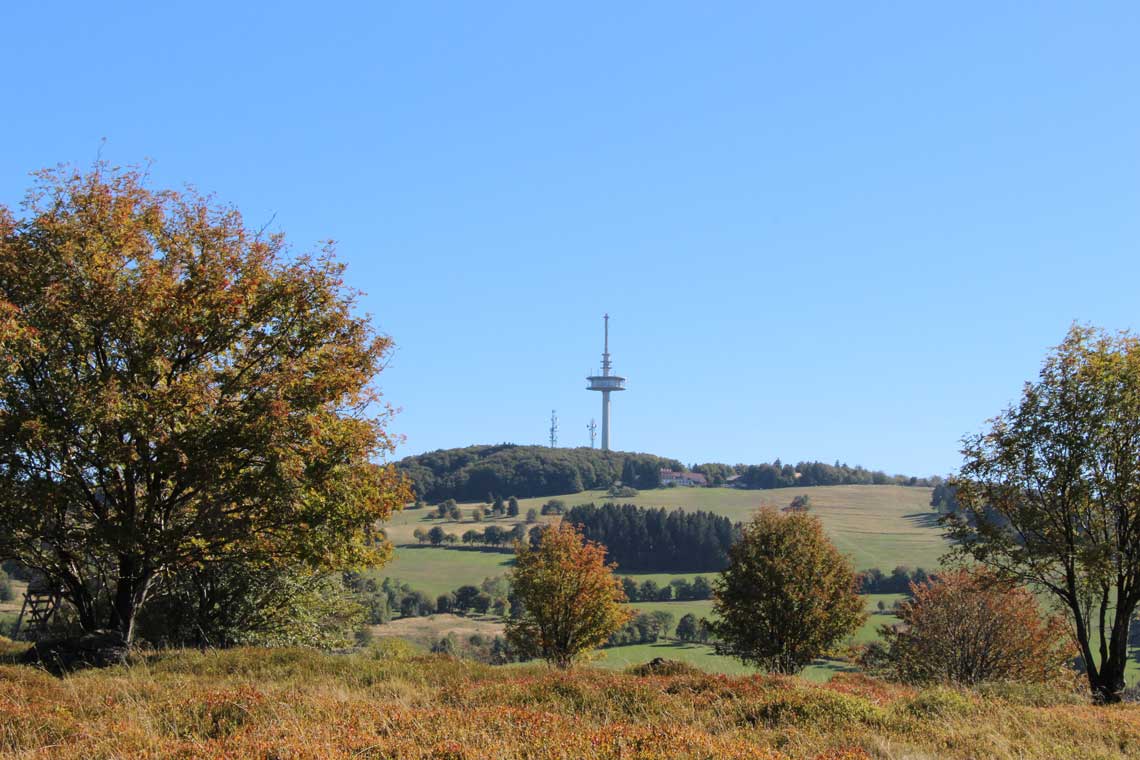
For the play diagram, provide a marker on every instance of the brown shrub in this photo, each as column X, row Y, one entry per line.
column 966, row 627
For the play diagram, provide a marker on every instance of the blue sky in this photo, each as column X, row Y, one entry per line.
column 845, row 231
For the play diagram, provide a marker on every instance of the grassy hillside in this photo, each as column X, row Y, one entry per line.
column 877, row 526
column 390, row 703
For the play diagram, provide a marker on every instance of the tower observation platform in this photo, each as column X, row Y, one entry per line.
column 606, row 383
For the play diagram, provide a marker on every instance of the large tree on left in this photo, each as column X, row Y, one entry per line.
column 178, row 390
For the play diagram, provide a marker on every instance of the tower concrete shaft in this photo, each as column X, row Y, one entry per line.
column 606, row 383
column 605, row 420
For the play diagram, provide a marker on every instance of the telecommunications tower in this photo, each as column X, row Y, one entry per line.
column 606, row 383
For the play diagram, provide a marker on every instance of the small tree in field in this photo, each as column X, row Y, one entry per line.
column 178, row 390
column 787, row 595
column 968, row 628
column 687, row 628
column 570, row 598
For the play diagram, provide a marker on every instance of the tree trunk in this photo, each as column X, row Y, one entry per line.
column 80, row 598
column 1108, row 683
column 130, row 593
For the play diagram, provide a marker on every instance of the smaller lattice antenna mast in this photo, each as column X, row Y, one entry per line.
column 593, row 428
column 553, row 429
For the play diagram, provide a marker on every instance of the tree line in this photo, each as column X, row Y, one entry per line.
column 390, row 598
column 477, row 472
column 640, row 538
column 898, row 581
column 679, row 589
column 492, row 537
column 803, row 474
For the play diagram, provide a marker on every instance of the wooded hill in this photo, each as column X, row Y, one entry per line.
column 474, row 472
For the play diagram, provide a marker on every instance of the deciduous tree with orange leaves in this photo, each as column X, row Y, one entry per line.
column 571, row 601
column 178, row 390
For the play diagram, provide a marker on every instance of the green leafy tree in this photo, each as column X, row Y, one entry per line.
column 532, row 515
column 465, row 598
column 787, row 595
column 687, row 627
column 494, row 535
column 571, row 601
column 1050, row 495
column 701, row 588
column 664, row 622
column 512, row 507
column 417, row 604
column 437, row 536
column 176, row 391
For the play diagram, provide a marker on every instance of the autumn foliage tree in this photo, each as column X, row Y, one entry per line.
column 178, row 391
column 571, row 601
column 1049, row 495
column 970, row 627
column 787, row 595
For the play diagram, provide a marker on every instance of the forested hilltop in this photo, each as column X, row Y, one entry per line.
column 475, row 472
column 471, row 473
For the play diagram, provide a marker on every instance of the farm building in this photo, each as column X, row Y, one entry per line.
column 674, row 478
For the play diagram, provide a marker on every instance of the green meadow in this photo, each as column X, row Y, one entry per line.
column 876, row 526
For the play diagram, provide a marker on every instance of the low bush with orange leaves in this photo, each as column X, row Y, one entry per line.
column 394, row 703
column 969, row 627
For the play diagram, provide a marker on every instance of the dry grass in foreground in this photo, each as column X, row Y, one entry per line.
column 390, row 703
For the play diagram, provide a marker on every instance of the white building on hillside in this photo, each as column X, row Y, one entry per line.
column 674, row 478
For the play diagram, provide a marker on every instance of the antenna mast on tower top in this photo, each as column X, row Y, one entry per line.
column 606, row 365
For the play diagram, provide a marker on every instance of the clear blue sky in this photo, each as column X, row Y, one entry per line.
column 843, row 231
